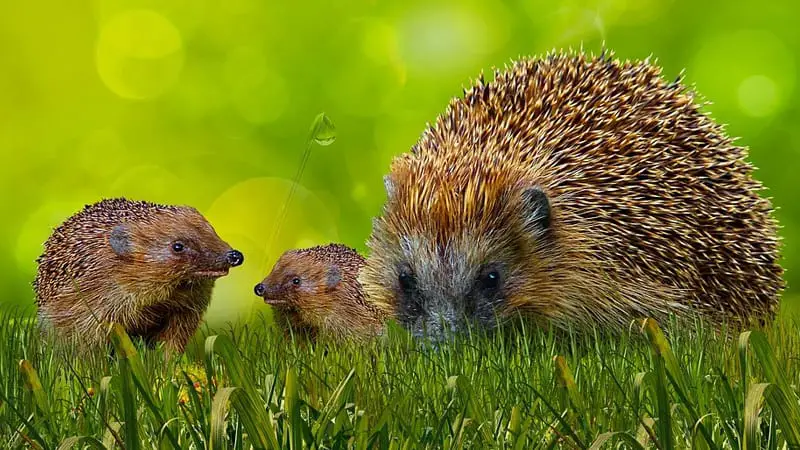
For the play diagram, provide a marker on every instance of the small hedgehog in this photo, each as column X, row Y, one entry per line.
column 316, row 291
column 572, row 190
column 149, row 267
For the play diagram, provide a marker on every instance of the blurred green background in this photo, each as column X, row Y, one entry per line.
column 209, row 103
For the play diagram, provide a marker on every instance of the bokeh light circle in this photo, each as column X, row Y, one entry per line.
column 433, row 39
column 758, row 96
column 751, row 71
column 379, row 42
column 259, row 94
column 139, row 54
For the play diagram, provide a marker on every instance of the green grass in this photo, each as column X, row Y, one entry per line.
column 520, row 388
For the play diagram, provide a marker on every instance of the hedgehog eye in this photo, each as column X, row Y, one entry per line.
column 178, row 246
column 490, row 281
column 406, row 279
column 296, row 281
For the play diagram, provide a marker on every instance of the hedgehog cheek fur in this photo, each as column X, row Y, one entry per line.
column 172, row 258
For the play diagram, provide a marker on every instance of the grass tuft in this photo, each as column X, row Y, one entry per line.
column 683, row 386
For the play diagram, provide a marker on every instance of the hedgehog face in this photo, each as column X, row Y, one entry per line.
column 296, row 283
column 446, row 294
column 450, row 268
column 174, row 247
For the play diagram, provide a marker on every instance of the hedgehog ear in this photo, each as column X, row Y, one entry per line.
column 536, row 210
column 120, row 240
column 334, row 277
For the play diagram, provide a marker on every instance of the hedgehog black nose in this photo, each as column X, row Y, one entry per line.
column 235, row 258
column 260, row 289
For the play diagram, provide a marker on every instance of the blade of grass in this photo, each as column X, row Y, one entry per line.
column 111, row 436
column 129, row 358
column 778, row 393
column 514, row 423
column 673, row 371
column 129, row 406
column 70, row 442
column 618, row 436
column 780, row 405
column 33, row 385
column 752, row 410
column 334, row 405
column 194, row 399
column 292, row 406
column 257, row 422
column 567, row 382
column 104, row 396
column 664, row 424
column 645, row 432
column 222, row 346
column 559, row 418
column 757, row 342
column 198, row 441
column 462, row 385
column 31, row 429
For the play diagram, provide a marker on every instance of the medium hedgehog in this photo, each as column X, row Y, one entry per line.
column 574, row 190
column 316, row 290
column 149, row 267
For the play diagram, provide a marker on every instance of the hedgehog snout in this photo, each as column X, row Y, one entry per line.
column 443, row 322
column 271, row 293
column 260, row 289
column 235, row 258
column 436, row 327
column 437, row 323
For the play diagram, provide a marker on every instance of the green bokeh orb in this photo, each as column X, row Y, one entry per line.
column 139, row 54
column 747, row 71
column 758, row 96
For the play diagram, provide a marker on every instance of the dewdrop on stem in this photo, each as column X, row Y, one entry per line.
column 323, row 131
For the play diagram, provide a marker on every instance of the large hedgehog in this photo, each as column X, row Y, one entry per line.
column 572, row 189
column 149, row 267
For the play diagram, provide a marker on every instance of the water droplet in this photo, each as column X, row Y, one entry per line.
column 323, row 130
